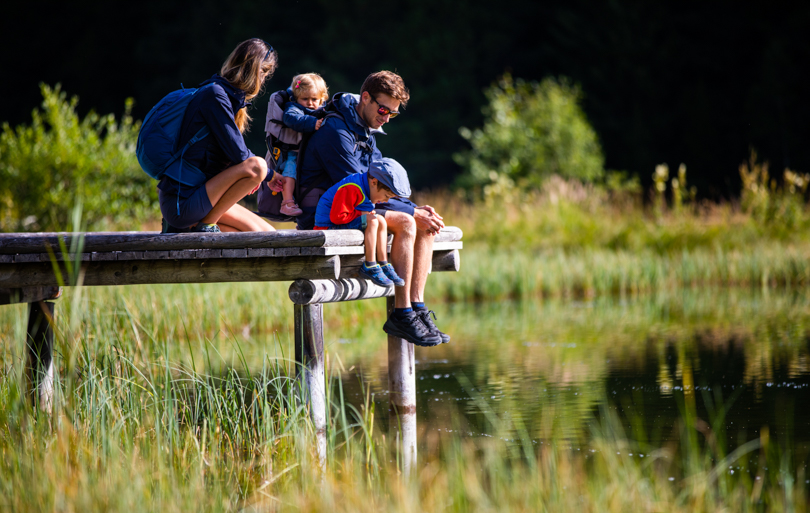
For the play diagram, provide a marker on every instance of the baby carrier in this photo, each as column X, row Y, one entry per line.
column 281, row 140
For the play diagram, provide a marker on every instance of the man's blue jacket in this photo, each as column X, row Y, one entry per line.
column 333, row 153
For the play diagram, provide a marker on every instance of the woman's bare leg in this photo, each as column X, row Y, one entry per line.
column 240, row 219
column 233, row 184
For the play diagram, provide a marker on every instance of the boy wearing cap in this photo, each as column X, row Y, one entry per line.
column 349, row 204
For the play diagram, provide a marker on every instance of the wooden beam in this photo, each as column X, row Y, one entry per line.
column 28, row 294
column 307, row 292
column 442, row 261
column 11, row 243
column 402, row 395
column 36, row 274
column 100, row 242
column 309, row 361
column 39, row 360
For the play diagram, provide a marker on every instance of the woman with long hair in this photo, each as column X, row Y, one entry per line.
column 232, row 171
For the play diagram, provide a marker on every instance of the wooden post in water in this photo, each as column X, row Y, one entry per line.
column 310, row 368
column 402, row 395
column 39, row 363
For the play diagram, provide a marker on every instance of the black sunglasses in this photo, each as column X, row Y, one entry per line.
column 269, row 51
column 383, row 110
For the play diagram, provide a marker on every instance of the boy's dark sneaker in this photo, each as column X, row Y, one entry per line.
column 167, row 228
column 375, row 274
column 424, row 316
column 206, row 228
column 411, row 328
column 391, row 274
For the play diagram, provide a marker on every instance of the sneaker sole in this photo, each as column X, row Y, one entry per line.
column 421, row 343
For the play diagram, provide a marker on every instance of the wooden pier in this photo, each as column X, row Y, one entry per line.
column 322, row 266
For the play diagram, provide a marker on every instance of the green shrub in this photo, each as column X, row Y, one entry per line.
column 531, row 131
column 59, row 160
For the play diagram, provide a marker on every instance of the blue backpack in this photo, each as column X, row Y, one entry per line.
column 157, row 141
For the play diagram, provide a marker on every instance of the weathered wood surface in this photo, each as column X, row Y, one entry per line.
column 38, row 274
column 402, row 395
column 309, row 361
column 39, row 360
column 197, row 254
column 442, row 261
column 102, row 242
column 28, row 294
column 11, row 243
column 305, row 292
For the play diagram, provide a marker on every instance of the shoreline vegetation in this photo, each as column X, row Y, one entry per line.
column 138, row 425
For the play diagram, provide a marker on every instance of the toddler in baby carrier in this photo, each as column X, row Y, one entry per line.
column 292, row 116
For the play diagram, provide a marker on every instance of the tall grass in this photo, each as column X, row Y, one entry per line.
column 150, row 417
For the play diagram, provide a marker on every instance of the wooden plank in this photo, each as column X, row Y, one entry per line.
column 130, row 255
column 28, row 294
column 11, row 243
column 176, row 271
column 306, row 292
column 155, row 255
column 234, row 253
column 261, row 252
column 31, row 257
column 442, row 261
column 103, row 257
column 6, row 259
column 287, row 252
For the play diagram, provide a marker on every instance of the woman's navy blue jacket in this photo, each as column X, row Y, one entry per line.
column 214, row 106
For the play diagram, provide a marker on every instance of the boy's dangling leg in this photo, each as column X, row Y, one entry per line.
column 371, row 269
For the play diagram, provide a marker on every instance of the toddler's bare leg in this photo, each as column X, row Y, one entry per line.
column 289, row 189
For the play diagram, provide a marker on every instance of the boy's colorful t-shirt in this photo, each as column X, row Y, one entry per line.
column 343, row 202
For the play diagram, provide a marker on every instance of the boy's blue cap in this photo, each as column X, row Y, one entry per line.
column 391, row 174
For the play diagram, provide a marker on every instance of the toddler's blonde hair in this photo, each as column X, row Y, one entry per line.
column 307, row 82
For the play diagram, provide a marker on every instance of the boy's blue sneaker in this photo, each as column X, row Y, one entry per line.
column 375, row 274
column 391, row 274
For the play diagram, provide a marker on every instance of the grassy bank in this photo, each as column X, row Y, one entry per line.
column 160, row 410
column 157, row 438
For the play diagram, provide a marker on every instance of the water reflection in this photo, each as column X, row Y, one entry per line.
column 550, row 369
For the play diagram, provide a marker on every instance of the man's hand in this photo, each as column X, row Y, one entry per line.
column 364, row 213
column 428, row 219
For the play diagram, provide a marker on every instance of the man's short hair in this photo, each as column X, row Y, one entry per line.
column 386, row 82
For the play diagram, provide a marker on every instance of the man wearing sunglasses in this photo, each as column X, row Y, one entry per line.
column 345, row 144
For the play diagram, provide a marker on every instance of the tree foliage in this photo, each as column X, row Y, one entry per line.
column 59, row 160
column 531, row 131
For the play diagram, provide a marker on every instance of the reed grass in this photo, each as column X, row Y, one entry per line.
column 156, row 418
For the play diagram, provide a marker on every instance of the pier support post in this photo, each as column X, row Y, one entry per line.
column 39, row 360
column 310, row 367
column 402, row 396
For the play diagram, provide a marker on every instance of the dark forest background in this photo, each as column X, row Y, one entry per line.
column 665, row 82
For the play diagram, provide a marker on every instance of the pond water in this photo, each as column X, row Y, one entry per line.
column 552, row 370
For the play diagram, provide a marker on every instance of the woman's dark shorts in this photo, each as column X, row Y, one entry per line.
column 192, row 209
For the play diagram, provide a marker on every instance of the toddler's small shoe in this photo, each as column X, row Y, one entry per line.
column 391, row 274
column 375, row 274
column 289, row 208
